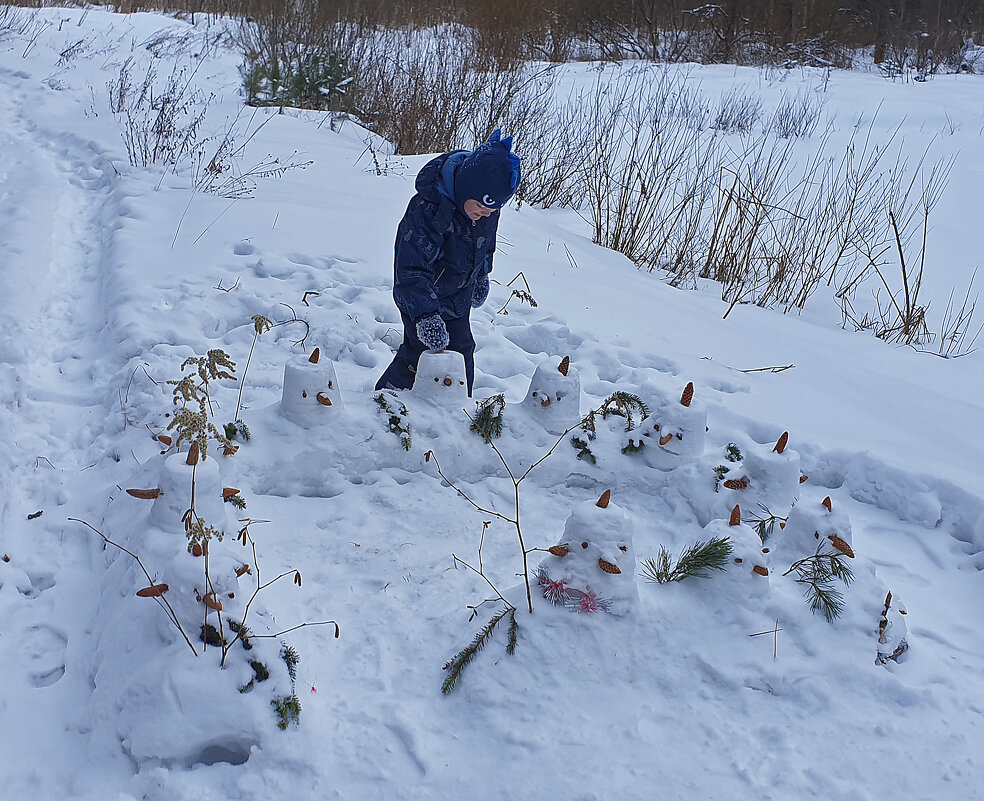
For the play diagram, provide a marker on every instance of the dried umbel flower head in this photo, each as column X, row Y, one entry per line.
column 261, row 323
column 688, row 394
column 781, row 444
column 605, row 499
column 565, row 366
column 735, row 516
column 315, row 356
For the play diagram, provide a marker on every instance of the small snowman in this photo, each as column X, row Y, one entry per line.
column 311, row 393
column 441, row 378
column 554, row 396
column 174, row 490
column 767, row 478
column 675, row 432
column 812, row 526
column 592, row 568
column 749, row 559
column 892, row 630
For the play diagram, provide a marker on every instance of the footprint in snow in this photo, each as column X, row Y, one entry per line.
column 45, row 648
column 544, row 338
column 39, row 582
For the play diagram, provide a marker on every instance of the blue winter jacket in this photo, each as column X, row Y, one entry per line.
column 440, row 253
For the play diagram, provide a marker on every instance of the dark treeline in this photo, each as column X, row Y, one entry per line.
column 922, row 34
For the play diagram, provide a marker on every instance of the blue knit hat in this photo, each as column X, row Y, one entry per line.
column 489, row 174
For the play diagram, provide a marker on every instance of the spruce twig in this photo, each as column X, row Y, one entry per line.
column 488, row 417
column 464, row 657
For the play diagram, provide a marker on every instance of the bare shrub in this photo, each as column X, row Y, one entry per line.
column 420, row 90
column 737, row 112
column 796, row 116
column 900, row 315
column 160, row 124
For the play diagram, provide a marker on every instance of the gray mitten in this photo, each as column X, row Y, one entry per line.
column 481, row 291
column 432, row 331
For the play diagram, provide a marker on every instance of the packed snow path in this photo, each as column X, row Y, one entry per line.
column 58, row 212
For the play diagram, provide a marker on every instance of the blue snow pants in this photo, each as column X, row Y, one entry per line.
column 401, row 373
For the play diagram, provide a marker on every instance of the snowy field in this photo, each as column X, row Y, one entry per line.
column 111, row 276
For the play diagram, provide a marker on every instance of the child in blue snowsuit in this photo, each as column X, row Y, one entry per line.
column 444, row 248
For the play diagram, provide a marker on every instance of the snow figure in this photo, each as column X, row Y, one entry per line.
column 675, row 432
column 554, row 396
column 767, row 479
column 891, row 632
column 441, row 377
column 749, row 559
column 310, row 390
column 810, row 526
column 174, row 488
column 593, row 567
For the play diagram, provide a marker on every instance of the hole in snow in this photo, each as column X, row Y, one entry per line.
column 231, row 752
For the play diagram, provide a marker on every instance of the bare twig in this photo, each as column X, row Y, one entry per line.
column 161, row 599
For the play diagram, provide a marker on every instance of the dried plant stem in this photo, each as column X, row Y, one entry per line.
column 242, row 380
column 161, row 600
column 515, row 520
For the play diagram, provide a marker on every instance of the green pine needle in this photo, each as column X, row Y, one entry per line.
column 818, row 573
column 694, row 562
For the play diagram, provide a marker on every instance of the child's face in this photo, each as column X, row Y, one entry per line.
column 476, row 210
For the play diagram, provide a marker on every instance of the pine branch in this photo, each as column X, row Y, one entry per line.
column 818, row 573
column 765, row 525
column 658, row 570
column 694, row 562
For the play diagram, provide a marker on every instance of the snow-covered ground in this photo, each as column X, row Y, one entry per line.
column 111, row 276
